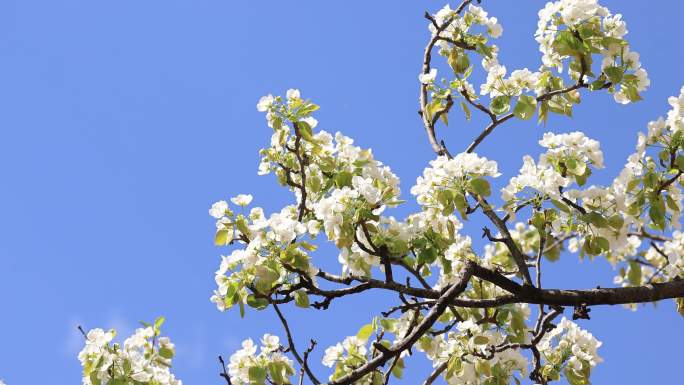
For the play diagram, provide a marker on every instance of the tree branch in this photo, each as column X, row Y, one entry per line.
column 425, row 325
column 293, row 348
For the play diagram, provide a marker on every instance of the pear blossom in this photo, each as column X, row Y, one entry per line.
column 293, row 94
column 149, row 360
column 265, row 103
column 242, row 199
column 428, row 78
column 218, row 209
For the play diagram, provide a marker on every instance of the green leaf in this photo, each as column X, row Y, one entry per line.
column 561, row 206
column 275, row 371
column 680, row 306
column 159, row 322
column 343, row 178
column 657, row 212
column 237, row 299
column 596, row 219
column 166, row 353
column 616, row 221
column 257, row 375
column 679, row 161
column 634, row 183
column 480, row 340
column 376, row 378
column 631, row 93
column 566, row 44
column 480, row 186
column 466, row 110
column 301, row 299
column 582, row 179
column 398, row 370
column 454, row 367
column 461, row 205
column 525, row 107
column 307, row 109
column 543, row 112
column 634, row 273
column 484, row 50
column 427, row 255
column 573, row 378
column 365, row 332
column 434, row 107
column 500, row 104
column 265, row 278
column 650, row 179
column 256, row 303
column 576, row 167
column 223, row 237
column 94, row 379
column 598, row 84
column 600, row 245
column 671, row 203
column 614, row 74
column 458, row 60
column 305, row 131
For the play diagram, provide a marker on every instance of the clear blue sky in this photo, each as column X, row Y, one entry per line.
column 122, row 121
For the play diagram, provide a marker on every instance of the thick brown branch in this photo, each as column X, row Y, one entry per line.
column 532, row 295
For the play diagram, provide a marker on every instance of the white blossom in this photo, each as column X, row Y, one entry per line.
column 242, row 199
column 218, row 209
column 428, row 78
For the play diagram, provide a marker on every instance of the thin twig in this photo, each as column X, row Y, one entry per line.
column 292, row 346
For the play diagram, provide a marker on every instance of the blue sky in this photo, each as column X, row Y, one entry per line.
column 122, row 121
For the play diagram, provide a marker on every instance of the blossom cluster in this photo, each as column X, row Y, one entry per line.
column 269, row 366
column 144, row 358
column 569, row 350
column 579, row 28
column 662, row 264
column 461, row 24
column 447, row 180
column 467, row 351
column 346, row 356
column 568, row 158
column 270, row 244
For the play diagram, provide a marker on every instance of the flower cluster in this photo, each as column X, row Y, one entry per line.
column 443, row 185
column 569, row 350
column 517, row 83
column 574, row 151
column 662, row 264
column 674, row 250
column 537, row 177
column 144, row 358
column 466, row 354
column 579, row 28
column 346, row 356
column 568, row 158
column 460, row 25
column 648, row 182
column 269, row 366
column 270, row 243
